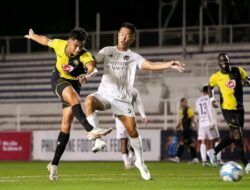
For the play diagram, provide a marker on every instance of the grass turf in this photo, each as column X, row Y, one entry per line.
column 112, row 176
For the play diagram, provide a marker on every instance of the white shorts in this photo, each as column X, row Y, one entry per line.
column 121, row 132
column 118, row 107
column 206, row 132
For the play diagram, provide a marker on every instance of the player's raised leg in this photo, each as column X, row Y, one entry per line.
column 92, row 104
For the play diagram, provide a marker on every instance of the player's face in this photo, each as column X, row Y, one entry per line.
column 223, row 62
column 184, row 103
column 74, row 47
column 125, row 39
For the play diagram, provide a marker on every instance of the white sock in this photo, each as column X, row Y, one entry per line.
column 93, row 120
column 125, row 159
column 203, row 152
column 210, row 151
column 136, row 143
column 219, row 153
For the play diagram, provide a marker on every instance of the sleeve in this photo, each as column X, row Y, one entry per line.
column 139, row 104
column 190, row 113
column 53, row 43
column 213, row 81
column 86, row 57
column 100, row 55
column 243, row 73
column 139, row 60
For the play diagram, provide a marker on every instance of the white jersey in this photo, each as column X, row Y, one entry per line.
column 205, row 111
column 119, row 72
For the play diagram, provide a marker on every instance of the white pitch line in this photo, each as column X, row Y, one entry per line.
column 73, row 178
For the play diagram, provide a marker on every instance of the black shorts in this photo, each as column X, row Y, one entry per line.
column 186, row 136
column 58, row 84
column 234, row 117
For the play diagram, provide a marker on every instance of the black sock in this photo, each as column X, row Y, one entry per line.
column 193, row 152
column 223, row 144
column 239, row 145
column 180, row 150
column 62, row 141
column 80, row 116
column 131, row 149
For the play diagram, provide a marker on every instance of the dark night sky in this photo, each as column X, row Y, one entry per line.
column 58, row 16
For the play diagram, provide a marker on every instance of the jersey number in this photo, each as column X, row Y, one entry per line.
column 203, row 108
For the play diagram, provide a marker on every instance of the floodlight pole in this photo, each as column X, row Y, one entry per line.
column 77, row 13
column 201, row 28
column 184, row 45
column 98, row 28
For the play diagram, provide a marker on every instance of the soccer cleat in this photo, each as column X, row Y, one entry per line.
column 144, row 170
column 131, row 163
column 205, row 164
column 98, row 145
column 97, row 133
column 194, row 161
column 247, row 168
column 174, row 159
column 212, row 158
column 53, row 172
column 129, row 166
column 131, row 156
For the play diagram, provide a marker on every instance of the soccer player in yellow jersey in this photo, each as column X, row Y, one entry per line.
column 185, row 132
column 74, row 65
column 229, row 80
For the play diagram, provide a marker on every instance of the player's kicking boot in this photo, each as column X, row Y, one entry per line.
column 97, row 133
column 53, row 172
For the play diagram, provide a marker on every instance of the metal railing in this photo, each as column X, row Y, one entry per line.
column 212, row 35
column 163, row 115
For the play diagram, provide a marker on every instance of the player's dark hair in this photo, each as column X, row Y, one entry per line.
column 222, row 55
column 78, row 34
column 183, row 99
column 205, row 89
column 130, row 26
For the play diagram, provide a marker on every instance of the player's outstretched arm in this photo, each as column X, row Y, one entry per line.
column 158, row 66
column 43, row 40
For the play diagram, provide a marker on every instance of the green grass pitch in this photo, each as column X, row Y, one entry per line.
column 112, row 176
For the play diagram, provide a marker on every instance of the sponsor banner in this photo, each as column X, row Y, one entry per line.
column 79, row 148
column 169, row 144
column 15, row 145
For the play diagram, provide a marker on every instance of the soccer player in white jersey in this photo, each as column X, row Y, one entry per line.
column 208, row 129
column 122, row 134
column 115, row 89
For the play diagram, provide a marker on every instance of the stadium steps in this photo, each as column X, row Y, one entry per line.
column 29, row 81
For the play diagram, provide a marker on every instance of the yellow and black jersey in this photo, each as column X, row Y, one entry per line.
column 185, row 118
column 230, row 87
column 78, row 62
